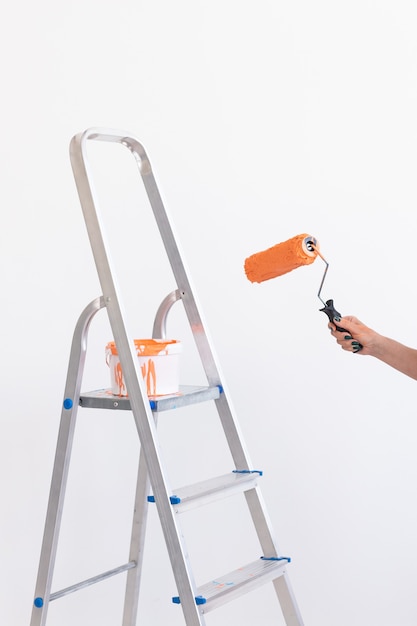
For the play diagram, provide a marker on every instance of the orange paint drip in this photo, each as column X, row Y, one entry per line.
column 280, row 259
column 149, row 376
column 118, row 375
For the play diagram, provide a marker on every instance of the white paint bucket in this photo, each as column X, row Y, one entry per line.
column 159, row 364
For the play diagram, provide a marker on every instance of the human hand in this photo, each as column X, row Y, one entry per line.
column 357, row 338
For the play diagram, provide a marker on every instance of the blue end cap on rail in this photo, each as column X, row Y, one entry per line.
column 198, row 600
column 172, row 499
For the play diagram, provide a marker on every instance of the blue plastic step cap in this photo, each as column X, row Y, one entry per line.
column 198, row 600
column 260, row 472
column 276, row 558
column 172, row 499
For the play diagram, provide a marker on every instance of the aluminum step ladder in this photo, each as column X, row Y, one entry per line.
column 268, row 566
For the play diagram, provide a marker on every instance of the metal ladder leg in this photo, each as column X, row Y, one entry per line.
column 137, row 542
column 287, row 601
column 282, row 584
column 61, row 464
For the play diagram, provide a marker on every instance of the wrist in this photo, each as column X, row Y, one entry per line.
column 377, row 346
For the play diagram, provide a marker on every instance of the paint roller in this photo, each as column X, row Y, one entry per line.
column 285, row 257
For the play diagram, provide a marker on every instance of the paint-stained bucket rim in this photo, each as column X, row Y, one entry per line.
column 150, row 347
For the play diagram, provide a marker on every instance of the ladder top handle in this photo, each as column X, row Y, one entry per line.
column 79, row 141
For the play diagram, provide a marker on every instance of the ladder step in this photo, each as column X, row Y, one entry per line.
column 226, row 588
column 213, row 489
column 187, row 395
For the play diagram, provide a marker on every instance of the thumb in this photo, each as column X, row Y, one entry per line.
column 348, row 322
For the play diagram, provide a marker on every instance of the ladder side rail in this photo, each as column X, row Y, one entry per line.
column 61, row 464
column 134, row 383
column 282, row 585
column 225, row 410
column 137, row 542
column 138, row 533
column 179, row 270
column 200, row 333
column 231, row 429
column 288, row 602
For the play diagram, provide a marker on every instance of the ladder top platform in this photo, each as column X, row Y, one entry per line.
column 187, row 395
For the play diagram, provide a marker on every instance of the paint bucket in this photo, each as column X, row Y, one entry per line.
column 159, row 364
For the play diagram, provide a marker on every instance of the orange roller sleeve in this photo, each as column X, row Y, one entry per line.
column 281, row 258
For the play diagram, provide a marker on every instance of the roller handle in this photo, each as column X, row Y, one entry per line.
column 331, row 313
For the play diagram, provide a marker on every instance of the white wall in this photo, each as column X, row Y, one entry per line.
column 262, row 120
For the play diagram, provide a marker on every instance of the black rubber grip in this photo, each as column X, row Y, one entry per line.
column 331, row 314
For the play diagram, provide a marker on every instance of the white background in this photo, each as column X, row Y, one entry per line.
column 262, row 120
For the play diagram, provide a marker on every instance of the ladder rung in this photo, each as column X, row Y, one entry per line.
column 187, row 395
column 88, row 582
column 213, row 489
column 241, row 581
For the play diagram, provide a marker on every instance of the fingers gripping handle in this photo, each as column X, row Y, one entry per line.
column 331, row 313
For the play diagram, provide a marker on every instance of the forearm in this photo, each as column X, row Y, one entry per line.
column 396, row 355
column 357, row 337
